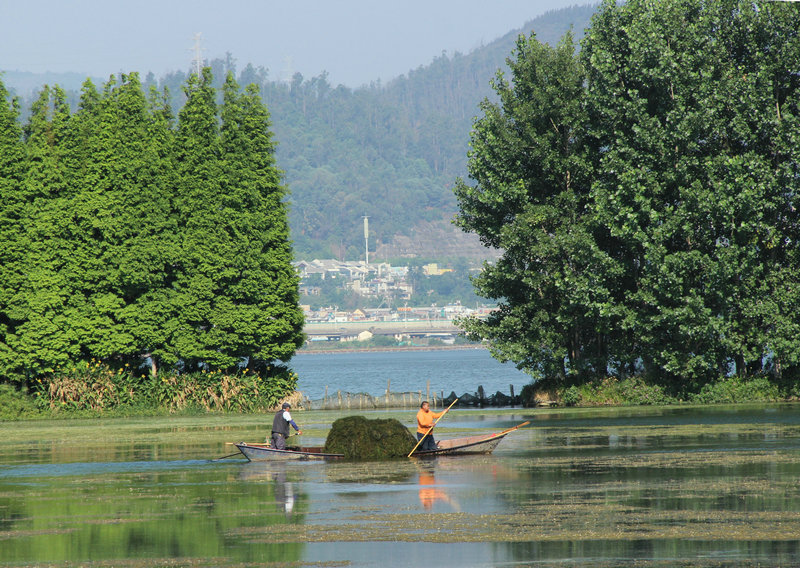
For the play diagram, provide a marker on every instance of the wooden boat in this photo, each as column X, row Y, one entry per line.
column 481, row 444
column 263, row 452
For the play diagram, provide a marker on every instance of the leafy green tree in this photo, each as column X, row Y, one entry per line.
column 127, row 221
column 645, row 210
column 260, row 316
column 129, row 241
column 692, row 104
column 532, row 175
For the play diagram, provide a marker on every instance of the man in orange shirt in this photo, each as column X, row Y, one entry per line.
column 425, row 421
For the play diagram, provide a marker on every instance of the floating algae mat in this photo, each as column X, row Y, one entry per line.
column 361, row 439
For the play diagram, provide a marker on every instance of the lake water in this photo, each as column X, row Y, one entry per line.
column 644, row 487
column 457, row 370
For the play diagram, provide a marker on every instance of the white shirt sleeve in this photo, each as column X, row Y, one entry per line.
column 287, row 416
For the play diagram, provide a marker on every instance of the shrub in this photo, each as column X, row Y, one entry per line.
column 611, row 391
column 86, row 386
column 737, row 389
column 571, row 396
column 16, row 404
column 95, row 387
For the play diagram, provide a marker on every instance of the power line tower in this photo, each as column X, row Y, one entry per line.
column 366, row 237
column 197, row 61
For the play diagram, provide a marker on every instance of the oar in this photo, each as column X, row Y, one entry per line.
column 230, row 456
column 504, row 432
column 431, row 428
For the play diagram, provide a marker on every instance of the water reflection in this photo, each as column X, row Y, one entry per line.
column 203, row 511
column 431, row 493
column 274, row 474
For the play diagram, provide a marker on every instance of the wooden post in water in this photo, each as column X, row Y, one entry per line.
column 388, row 390
column 325, row 398
column 428, row 390
column 339, row 396
column 511, row 388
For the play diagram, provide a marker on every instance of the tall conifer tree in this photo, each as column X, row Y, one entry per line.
column 47, row 300
column 12, row 211
column 261, row 315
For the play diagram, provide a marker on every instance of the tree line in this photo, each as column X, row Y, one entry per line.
column 131, row 236
column 643, row 194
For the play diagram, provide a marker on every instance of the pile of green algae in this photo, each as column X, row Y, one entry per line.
column 359, row 438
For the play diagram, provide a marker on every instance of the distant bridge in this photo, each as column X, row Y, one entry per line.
column 337, row 331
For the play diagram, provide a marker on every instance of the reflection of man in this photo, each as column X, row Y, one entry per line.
column 284, row 492
column 280, row 427
column 425, row 421
column 428, row 494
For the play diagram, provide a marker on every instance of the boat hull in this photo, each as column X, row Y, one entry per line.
column 483, row 444
column 464, row 446
column 259, row 452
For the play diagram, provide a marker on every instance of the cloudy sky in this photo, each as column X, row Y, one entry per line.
column 356, row 41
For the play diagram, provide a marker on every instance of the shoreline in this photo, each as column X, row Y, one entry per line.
column 387, row 349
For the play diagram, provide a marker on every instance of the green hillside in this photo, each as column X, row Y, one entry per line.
column 388, row 151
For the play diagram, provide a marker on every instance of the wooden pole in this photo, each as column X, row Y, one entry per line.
column 432, row 427
column 504, row 432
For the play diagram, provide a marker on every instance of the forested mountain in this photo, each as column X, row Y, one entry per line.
column 388, row 151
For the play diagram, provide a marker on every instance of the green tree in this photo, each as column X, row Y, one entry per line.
column 44, row 300
column 237, row 292
column 126, row 220
column 130, row 241
column 528, row 159
column 12, row 213
column 645, row 210
column 260, row 317
column 692, row 106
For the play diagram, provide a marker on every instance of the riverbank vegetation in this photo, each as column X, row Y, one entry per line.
column 643, row 195
column 95, row 389
column 636, row 391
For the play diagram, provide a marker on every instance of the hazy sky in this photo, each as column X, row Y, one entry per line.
column 356, row 41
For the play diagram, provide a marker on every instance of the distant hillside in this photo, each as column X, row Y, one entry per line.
column 391, row 152
column 388, row 151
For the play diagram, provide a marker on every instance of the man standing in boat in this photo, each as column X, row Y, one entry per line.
column 280, row 427
column 425, row 421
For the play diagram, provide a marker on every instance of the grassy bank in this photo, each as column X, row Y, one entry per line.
column 636, row 391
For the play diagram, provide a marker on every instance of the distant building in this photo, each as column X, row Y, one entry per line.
column 433, row 269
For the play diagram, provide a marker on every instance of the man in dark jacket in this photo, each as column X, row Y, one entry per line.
column 280, row 427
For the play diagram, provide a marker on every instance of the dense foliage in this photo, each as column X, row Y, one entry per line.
column 643, row 194
column 133, row 239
